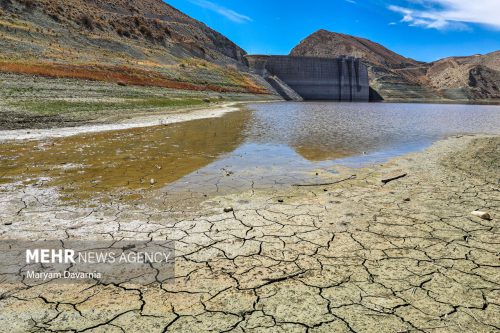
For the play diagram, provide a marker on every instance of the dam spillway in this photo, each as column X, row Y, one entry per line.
column 342, row 79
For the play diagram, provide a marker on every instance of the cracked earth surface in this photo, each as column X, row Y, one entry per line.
column 353, row 256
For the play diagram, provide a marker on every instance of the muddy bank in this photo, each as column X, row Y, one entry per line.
column 346, row 254
column 32, row 102
column 137, row 121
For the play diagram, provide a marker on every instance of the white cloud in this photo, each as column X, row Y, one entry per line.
column 226, row 12
column 450, row 14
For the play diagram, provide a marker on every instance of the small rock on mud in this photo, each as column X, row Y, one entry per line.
column 482, row 215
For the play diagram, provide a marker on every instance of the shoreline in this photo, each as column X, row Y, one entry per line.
column 139, row 121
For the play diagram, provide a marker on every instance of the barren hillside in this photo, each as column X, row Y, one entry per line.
column 394, row 77
column 475, row 77
column 145, row 42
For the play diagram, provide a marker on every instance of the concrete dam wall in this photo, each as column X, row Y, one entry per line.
column 340, row 79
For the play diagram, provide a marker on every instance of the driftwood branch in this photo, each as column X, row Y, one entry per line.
column 388, row 180
column 283, row 278
column 326, row 184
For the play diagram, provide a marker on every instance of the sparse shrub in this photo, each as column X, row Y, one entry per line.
column 146, row 32
column 157, row 23
column 1, row 12
column 87, row 22
column 54, row 16
column 29, row 4
column 99, row 25
column 123, row 33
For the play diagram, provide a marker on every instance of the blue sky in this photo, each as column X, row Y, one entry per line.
column 421, row 29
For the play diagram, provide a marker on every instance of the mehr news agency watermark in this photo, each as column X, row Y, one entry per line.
column 81, row 261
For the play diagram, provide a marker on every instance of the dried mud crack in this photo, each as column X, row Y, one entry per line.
column 350, row 256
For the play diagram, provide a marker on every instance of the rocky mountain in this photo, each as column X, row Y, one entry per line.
column 144, row 42
column 324, row 42
column 476, row 77
column 150, row 43
column 395, row 77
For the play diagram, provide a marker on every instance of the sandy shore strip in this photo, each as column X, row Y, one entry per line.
column 172, row 117
column 387, row 248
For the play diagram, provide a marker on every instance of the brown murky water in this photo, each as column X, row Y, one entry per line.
column 269, row 144
column 135, row 159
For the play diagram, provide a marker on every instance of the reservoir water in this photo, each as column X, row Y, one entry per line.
column 264, row 144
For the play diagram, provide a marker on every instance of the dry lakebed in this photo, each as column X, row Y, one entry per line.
column 388, row 243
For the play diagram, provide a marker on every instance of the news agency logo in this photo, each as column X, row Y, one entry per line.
column 77, row 261
column 50, row 256
column 69, row 256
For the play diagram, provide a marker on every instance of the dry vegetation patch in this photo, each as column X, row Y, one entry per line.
column 120, row 74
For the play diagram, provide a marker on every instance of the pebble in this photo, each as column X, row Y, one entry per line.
column 406, row 199
column 228, row 209
column 281, row 200
column 152, row 181
column 7, row 223
column 483, row 215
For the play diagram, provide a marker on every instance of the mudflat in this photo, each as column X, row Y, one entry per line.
column 348, row 253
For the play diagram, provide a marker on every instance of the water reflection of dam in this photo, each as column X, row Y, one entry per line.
column 340, row 79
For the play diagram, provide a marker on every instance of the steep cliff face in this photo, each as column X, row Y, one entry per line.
column 142, row 35
column 395, row 77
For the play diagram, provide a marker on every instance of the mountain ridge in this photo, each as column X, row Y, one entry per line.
column 396, row 77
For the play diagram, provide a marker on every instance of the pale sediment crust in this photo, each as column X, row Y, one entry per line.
column 169, row 117
column 354, row 256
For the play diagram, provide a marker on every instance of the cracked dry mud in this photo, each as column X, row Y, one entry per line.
column 355, row 256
